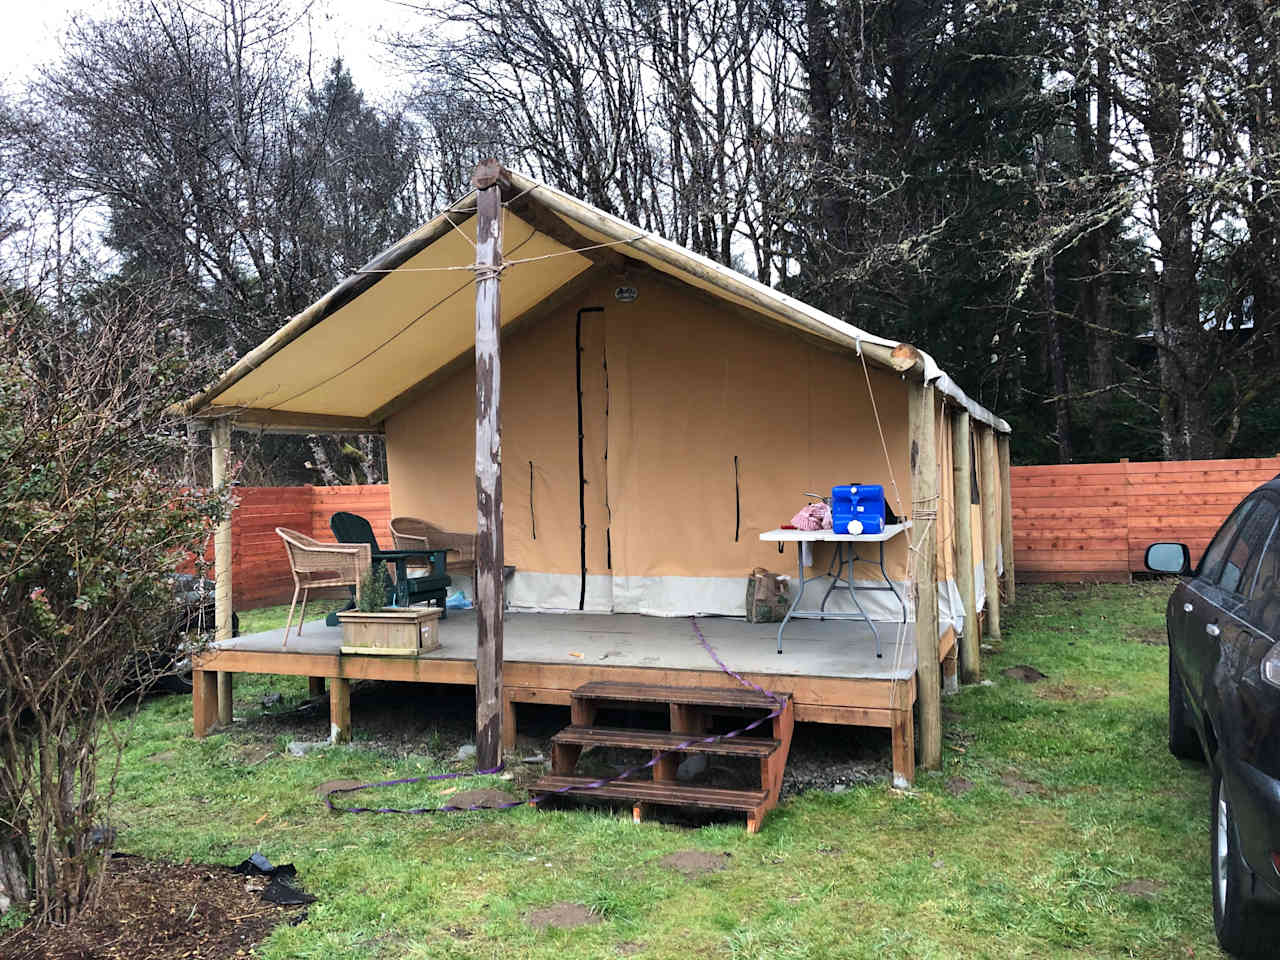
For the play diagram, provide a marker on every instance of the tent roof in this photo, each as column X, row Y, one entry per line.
column 352, row 358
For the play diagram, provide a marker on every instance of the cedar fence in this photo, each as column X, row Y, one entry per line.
column 259, row 567
column 1071, row 522
column 1094, row 521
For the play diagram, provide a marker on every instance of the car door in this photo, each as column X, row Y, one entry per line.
column 1228, row 636
column 1259, row 733
column 1192, row 647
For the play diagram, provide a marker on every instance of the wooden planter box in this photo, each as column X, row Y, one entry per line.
column 392, row 631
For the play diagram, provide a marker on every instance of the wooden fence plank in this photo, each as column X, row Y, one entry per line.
column 1094, row 521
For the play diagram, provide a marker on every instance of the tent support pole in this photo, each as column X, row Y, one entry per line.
column 1006, row 518
column 962, row 481
column 921, row 411
column 990, row 529
column 489, row 555
column 220, row 441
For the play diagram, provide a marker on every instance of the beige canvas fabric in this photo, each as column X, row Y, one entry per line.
column 675, row 385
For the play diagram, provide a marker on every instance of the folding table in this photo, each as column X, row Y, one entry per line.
column 846, row 555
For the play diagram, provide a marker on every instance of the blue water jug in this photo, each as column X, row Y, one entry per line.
column 863, row 502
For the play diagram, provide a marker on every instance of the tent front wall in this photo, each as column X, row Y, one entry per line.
column 701, row 429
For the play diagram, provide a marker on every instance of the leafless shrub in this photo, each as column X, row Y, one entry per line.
column 91, row 526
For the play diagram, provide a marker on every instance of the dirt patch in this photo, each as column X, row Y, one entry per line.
column 628, row 948
column 460, row 933
column 478, row 798
column 562, row 916
column 159, row 911
column 1146, row 889
column 1024, row 673
column 1151, row 636
column 254, row 754
column 324, row 789
column 1066, row 693
column 957, row 786
column 695, row 863
column 1023, row 788
column 164, row 756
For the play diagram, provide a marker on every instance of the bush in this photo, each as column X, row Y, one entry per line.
column 91, row 528
column 375, row 588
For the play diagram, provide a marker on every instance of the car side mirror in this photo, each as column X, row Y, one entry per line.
column 1168, row 558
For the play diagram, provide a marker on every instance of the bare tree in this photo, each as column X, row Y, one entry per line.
column 92, row 525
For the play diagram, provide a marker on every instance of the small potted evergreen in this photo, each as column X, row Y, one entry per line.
column 374, row 627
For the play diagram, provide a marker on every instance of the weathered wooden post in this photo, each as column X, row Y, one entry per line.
column 1006, row 518
column 990, row 529
column 962, row 484
column 489, row 586
column 220, row 437
column 924, row 546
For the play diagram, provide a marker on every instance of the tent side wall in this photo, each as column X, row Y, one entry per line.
column 675, row 386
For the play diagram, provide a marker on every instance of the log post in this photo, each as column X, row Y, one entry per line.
column 922, row 400
column 204, row 708
column 990, row 529
column 225, row 688
column 489, row 555
column 339, row 710
column 1006, row 518
column 220, row 437
column 962, row 484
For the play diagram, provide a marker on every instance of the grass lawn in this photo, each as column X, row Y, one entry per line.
column 1059, row 824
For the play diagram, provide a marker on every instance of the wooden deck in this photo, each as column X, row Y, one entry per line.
column 829, row 668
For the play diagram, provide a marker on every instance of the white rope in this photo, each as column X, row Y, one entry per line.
column 884, row 445
column 459, row 229
column 506, row 263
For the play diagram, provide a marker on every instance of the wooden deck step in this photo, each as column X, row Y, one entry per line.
column 754, row 747
column 738, row 698
column 668, row 794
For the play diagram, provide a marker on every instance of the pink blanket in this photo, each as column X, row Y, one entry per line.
column 816, row 516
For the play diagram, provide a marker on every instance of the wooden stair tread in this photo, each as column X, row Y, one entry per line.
column 662, row 740
column 647, row 791
column 733, row 697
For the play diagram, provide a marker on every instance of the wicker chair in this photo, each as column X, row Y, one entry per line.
column 410, row 533
column 315, row 564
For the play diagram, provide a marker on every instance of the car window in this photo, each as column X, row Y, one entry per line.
column 1264, row 600
column 1210, row 568
column 1255, row 534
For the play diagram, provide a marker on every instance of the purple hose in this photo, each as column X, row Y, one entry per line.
column 779, row 700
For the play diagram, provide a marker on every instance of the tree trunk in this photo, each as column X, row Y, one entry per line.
column 1057, row 362
column 15, row 872
column 1187, row 352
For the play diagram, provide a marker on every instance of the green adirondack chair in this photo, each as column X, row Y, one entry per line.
column 353, row 528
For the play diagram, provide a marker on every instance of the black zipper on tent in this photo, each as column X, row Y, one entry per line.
column 737, row 501
column 533, row 522
column 582, row 468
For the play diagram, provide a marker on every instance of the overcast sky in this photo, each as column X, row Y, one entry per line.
column 350, row 28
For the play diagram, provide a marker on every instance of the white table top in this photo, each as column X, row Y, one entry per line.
column 815, row 536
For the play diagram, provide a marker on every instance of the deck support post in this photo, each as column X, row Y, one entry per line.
column 1006, row 518
column 339, row 710
column 220, row 441
column 921, row 411
column 204, row 701
column 990, row 530
column 970, row 638
column 903, row 741
column 489, row 553
column 225, row 687
column 508, row 722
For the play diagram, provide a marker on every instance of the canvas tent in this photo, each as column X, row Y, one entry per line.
column 659, row 410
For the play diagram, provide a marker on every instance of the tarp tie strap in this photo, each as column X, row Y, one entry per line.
column 779, row 700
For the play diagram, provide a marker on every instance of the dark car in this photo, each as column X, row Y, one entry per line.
column 168, row 667
column 1224, row 708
